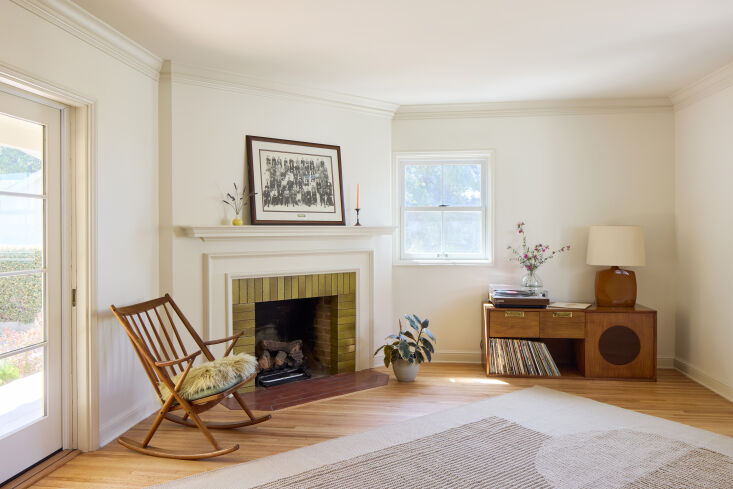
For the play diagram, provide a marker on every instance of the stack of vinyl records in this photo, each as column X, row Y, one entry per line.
column 520, row 357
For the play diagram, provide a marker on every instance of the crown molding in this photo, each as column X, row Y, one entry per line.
column 71, row 18
column 704, row 87
column 533, row 108
column 240, row 83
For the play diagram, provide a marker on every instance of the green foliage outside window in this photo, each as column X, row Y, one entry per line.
column 21, row 296
column 16, row 161
column 8, row 372
column 441, row 188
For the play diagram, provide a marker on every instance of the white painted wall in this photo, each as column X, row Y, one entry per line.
column 127, row 187
column 560, row 174
column 207, row 124
column 704, row 201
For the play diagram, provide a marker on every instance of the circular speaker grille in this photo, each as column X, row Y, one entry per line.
column 619, row 345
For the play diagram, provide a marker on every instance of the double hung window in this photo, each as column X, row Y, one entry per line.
column 444, row 207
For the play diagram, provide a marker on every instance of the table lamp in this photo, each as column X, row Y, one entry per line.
column 616, row 246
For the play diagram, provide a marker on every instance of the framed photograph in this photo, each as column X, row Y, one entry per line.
column 294, row 182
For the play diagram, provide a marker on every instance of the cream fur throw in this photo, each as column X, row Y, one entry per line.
column 214, row 376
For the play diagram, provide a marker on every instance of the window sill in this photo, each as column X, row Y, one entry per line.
column 444, row 263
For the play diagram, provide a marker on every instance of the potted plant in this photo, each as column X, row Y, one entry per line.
column 409, row 348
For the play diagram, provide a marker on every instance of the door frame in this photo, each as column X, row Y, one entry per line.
column 79, row 390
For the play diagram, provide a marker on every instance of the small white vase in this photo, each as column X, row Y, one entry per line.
column 404, row 370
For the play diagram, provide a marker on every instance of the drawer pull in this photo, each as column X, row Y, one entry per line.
column 562, row 314
column 514, row 314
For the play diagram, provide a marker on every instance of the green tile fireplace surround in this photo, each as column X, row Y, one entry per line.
column 338, row 293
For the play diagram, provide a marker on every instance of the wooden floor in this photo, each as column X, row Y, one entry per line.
column 439, row 386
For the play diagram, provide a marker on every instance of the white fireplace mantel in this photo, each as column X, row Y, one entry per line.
column 206, row 233
column 236, row 252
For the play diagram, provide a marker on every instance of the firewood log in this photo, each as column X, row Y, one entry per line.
column 265, row 360
column 274, row 346
column 298, row 355
column 292, row 362
column 280, row 358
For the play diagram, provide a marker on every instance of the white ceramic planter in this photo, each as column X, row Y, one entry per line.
column 404, row 370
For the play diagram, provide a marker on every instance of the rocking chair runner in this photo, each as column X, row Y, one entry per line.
column 154, row 335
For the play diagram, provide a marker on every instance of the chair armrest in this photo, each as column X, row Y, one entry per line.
column 223, row 340
column 178, row 361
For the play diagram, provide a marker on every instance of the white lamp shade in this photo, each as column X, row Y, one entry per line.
column 621, row 246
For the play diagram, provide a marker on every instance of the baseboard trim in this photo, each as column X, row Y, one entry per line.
column 699, row 376
column 461, row 356
column 665, row 362
column 457, row 356
column 40, row 470
column 112, row 428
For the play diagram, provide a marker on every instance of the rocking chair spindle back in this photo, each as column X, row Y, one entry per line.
column 154, row 332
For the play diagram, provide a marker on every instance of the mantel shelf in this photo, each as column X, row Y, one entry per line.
column 206, row 233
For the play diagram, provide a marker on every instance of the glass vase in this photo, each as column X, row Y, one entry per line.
column 532, row 280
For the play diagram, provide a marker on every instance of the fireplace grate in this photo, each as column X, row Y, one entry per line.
column 282, row 376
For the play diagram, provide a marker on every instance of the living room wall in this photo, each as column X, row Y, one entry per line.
column 204, row 122
column 704, row 172
column 559, row 174
column 127, row 191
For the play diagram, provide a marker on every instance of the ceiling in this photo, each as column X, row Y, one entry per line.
column 438, row 51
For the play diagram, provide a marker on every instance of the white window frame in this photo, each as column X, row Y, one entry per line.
column 485, row 158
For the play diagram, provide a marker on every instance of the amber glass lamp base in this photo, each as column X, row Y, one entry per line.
column 616, row 287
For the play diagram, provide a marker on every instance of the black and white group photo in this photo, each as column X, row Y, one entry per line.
column 293, row 181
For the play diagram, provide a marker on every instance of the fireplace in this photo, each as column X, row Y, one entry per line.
column 298, row 326
column 286, row 341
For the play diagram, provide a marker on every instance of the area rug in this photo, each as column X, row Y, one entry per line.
column 535, row 437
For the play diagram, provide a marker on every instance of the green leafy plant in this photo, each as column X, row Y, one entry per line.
column 21, row 296
column 16, row 161
column 8, row 372
column 28, row 362
column 414, row 346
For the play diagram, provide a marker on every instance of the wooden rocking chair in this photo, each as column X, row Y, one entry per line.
column 154, row 334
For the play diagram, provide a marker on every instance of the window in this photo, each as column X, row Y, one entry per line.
column 444, row 207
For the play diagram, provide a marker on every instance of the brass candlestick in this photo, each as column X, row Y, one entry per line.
column 357, row 217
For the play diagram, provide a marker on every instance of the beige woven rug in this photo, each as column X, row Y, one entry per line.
column 535, row 437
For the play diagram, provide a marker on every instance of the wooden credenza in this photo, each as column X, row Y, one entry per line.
column 598, row 342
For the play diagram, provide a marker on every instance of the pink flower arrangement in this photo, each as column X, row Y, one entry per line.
column 532, row 257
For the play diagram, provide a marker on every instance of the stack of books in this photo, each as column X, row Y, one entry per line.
column 520, row 357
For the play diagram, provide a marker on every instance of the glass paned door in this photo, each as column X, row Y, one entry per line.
column 30, row 283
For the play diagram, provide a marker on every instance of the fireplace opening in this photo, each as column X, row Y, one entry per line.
column 292, row 340
column 298, row 326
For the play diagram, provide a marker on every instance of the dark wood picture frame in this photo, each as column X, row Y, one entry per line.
column 256, row 200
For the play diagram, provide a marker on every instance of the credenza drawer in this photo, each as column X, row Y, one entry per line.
column 562, row 324
column 509, row 323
